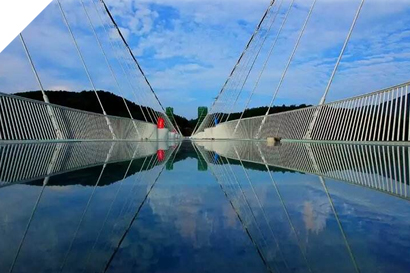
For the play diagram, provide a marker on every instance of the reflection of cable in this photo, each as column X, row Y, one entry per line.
column 258, row 250
column 154, row 163
column 339, row 224
column 132, row 221
column 244, row 226
column 126, row 207
column 51, row 166
column 135, row 216
column 284, row 208
column 110, row 208
column 82, row 219
column 245, row 199
column 225, row 176
column 261, row 207
column 236, row 182
column 86, row 207
column 29, row 224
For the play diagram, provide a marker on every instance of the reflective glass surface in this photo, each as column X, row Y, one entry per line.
column 204, row 207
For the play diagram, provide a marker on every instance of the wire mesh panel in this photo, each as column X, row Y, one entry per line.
column 378, row 116
column 26, row 119
column 22, row 162
column 381, row 167
column 23, row 120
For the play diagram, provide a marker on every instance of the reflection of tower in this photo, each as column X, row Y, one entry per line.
column 169, row 166
column 202, row 165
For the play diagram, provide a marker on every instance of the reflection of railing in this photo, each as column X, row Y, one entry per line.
column 377, row 116
column 24, row 162
column 385, row 168
column 254, row 211
column 26, row 119
column 115, row 225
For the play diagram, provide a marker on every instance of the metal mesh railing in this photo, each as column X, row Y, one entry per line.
column 382, row 167
column 26, row 119
column 377, row 116
column 23, row 162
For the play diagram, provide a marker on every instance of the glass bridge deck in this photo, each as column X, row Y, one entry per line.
column 204, row 207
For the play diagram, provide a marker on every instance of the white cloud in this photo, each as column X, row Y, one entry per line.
column 188, row 48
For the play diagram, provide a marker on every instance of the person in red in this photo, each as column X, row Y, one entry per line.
column 161, row 155
column 161, row 123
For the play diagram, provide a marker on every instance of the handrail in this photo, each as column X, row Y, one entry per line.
column 26, row 119
column 64, row 107
column 381, row 91
column 378, row 116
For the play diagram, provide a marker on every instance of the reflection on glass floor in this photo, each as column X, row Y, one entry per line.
column 310, row 223
column 204, row 207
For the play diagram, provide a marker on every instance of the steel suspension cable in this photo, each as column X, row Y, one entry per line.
column 256, row 57
column 329, row 84
column 356, row 17
column 85, row 67
column 240, row 72
column 133, row 57
column 244, row 69
column 176, row 124
column 134, row 60
column 218, row 112
column 287, row 67
column 264, row 65
column 150, row 111
column 45, row 97
column 118, row 58
column 238, row 77
column 109, row 65
column 230, row 92
column 237, row 63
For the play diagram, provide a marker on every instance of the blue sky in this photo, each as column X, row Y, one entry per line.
column 188, row 47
